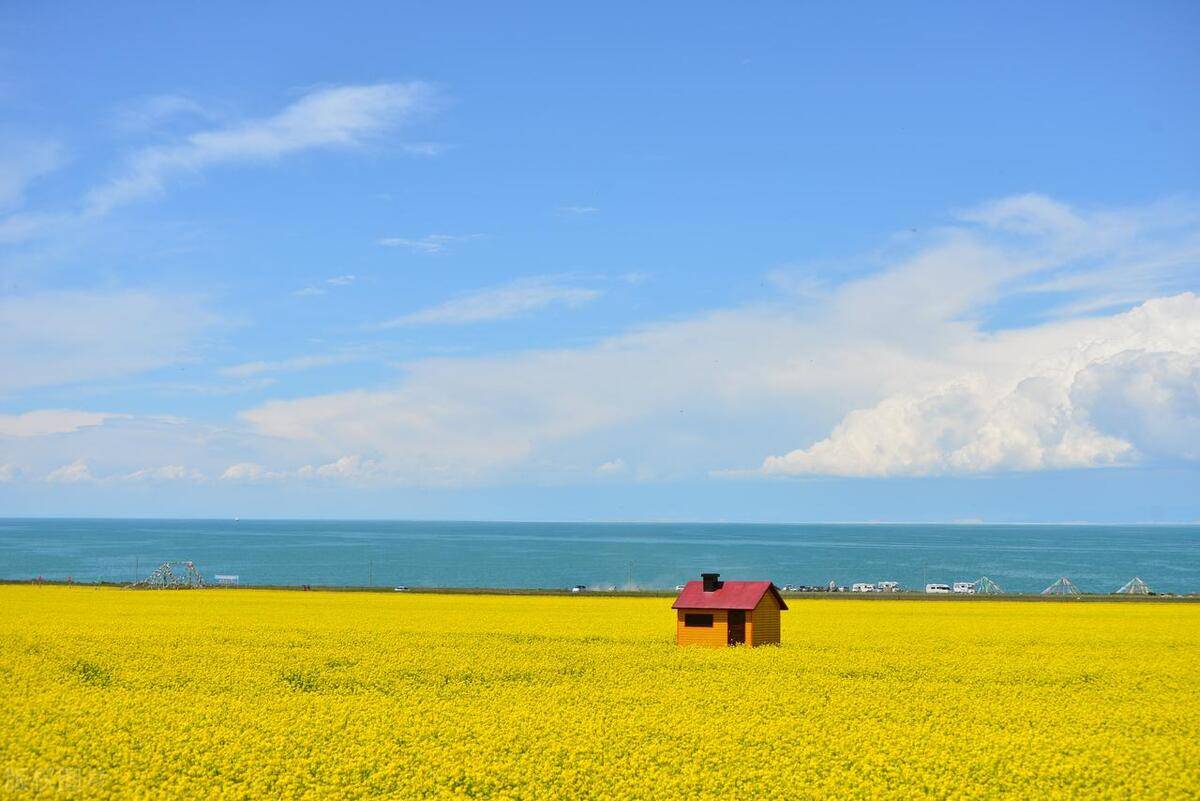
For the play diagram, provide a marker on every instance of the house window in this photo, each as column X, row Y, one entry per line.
column 698, row 621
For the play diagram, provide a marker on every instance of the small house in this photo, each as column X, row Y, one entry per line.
column 717, row 613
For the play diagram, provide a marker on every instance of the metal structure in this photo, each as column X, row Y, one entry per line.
column 985, row 586
column 171, row 576
column 1135, row 586
column 1064, row 586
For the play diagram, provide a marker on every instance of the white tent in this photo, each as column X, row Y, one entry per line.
column 1135, row 586
column 1064, row 586
column 985, row 586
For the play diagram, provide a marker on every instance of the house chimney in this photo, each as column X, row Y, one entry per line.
column 710, row 582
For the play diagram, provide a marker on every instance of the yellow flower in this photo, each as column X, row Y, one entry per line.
column 263, row 694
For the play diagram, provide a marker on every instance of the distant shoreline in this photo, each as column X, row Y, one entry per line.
column 538, row 591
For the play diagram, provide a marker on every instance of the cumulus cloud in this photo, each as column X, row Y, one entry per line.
column 1128, row 387
column 77, row 472
column 345, row 468
column 499, row 303
column 250, row 472
column 342, row 116
column 1149, row 398
column 170, row 472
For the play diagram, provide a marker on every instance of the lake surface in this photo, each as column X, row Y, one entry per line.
column 652, row 555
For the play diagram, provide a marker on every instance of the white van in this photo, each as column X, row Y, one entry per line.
column 938, row 589
column 862, row 586
column 964, row 587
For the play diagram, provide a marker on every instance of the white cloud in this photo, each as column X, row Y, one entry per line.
column 292, row 365
column 250, row 472
column 499, row 303
column 915, row 368
column 76, row 472
column 345, row 468
column 150, row 113
column 337, row 280
column 578, row 211
column 427, row 149
column 21, row 163
column 343, row 116
column 1120, row 388
column 72, row 336
column 44, row 422
column 613, row 467
column 428, row 245
column 9, row 473
column 171, row 472
column 1151, row 398
column 21, row 227
column 956, row 391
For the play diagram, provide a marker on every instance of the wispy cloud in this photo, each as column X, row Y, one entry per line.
column 293, row 365
column 428, row 245
column 335, row 281
column 151, row 113
column 500, row 303
column 73, row 336
column 578, row 211
column 344, row 116
column 21, row 163
column 44, row 422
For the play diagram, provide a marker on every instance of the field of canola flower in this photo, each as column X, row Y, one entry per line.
column 107, row 693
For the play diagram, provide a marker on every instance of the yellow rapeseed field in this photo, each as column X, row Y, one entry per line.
column 107, row 693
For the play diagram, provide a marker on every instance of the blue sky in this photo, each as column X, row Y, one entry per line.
column 930, row 262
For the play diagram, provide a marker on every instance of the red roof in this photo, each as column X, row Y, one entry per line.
column 730, row 595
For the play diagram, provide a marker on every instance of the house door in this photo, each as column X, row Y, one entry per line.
column 737, row 627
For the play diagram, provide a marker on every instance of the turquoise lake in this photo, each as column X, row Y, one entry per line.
column 1021, row 558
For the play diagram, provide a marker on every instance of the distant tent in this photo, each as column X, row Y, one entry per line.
column 1135, row 586
column 985, row 586
column 1064, row 586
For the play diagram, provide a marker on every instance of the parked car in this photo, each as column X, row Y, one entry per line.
column 937, row 589
column 400, row 588
column 579, row 588
column 680, row 587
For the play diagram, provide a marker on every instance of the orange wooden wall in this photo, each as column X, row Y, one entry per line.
column 762, row 626
column 716, row 637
